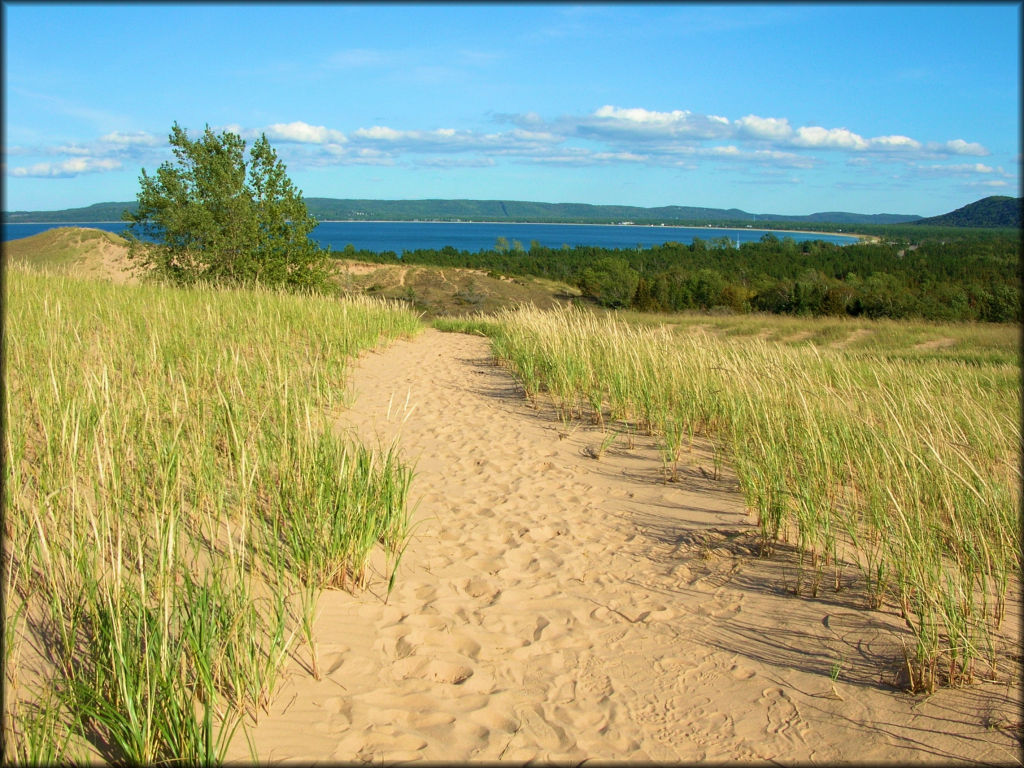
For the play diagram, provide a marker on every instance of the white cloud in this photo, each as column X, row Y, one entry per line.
column 994, row 183
column 834, row 138
column 895, row 143
column 456, row 162
column 74, row 167
column 539, row 136
column 784, row 159
column 72, row 149
column 139, row 138
column 515, row 142
column 622, row 157
column 608, row 135
column 961, row 147
column 958, row 169
column 304, row 133
column 766, row 128
column 235, row 128
column 381, row 133
column 643, row 123
column 778, row 131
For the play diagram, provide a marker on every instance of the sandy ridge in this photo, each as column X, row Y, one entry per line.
column 556, row 607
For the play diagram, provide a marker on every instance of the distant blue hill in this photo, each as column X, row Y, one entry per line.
column 328, row 209
column 995, row 211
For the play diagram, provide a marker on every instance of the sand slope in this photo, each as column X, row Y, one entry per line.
column 555, row 606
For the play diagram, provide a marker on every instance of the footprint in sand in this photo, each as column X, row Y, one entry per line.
column 480, row 589
column 783, row 718
column 381, row 745
column 419, row 640
column 535, row 728
column 671, row 720
column 708, row 668
column 724, row 604
column 437, row 670
column 340, row 713
column 494, row 719
column 741, row 673
column 593, row 683
column 711, row 727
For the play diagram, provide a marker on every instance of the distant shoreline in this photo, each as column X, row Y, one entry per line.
column 867, row 238
column 584, row 224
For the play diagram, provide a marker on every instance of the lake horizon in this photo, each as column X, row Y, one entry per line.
column 474, row 236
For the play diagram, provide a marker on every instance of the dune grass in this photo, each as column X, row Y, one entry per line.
column 172, row 481
column 60, row 248
column 898, row 459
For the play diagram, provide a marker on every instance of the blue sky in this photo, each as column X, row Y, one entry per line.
column 770, row 108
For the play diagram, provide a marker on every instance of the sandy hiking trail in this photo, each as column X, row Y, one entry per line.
column 560, row 607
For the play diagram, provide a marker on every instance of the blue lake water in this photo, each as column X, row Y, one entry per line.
column 398, row 236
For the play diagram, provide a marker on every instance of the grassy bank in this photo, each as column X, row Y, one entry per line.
column 890, row 454
column 175, row 501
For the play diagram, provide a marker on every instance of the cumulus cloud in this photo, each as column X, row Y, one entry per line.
column 441, row 140
column 610, row 134
column 381, row 132
column 650, row 132
column 835, row 138
column 895, row 143
column 74, row 167
column 960, row 147
column 778, row 131
column 304, row 133
column 642, row 124
column 764, row 128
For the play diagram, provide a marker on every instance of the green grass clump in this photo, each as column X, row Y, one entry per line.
column 158, row 443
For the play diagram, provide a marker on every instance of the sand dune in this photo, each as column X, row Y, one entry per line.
column 556, row 606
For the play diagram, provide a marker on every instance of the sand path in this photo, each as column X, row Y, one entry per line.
column 554, row 606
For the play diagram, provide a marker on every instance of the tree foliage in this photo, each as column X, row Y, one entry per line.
column 610, row 282
column 943, row 274
column 212, row 215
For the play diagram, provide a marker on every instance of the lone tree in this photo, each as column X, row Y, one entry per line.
column 210, row 216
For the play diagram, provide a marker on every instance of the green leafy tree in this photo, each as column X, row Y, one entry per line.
column 611, row 282
column 211, row 215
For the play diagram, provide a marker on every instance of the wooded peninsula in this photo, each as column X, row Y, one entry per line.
column 932, row 273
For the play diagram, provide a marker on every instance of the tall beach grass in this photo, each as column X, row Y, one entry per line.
column 174, row 500
column 901, row 460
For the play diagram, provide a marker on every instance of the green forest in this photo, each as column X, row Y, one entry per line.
column 934, row 273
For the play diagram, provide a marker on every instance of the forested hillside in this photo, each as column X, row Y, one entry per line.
column 995, row 211
column 974, row 277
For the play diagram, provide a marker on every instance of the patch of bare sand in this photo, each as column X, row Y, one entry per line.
column 357, row 267
column 101, row 257
column 854, row 336
column 941, row 343
column 553, row 606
